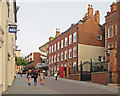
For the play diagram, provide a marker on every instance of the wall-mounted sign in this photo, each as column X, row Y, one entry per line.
column 13, row 29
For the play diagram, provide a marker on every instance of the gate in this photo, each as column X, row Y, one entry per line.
column 85, row 74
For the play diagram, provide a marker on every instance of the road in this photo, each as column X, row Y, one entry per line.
column 61, row 86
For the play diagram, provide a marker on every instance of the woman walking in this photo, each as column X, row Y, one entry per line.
column 29, row 77
column 41, row 78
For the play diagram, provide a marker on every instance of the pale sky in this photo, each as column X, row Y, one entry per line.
column 38, row 20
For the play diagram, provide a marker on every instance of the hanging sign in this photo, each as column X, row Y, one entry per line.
column 13, row 29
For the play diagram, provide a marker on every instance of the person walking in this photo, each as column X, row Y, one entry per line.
column 21, row 72
column 29, row 77
column 55, row 75
column 41, row 78
column 35, row 76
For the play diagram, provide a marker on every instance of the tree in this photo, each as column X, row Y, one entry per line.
column 21, row 61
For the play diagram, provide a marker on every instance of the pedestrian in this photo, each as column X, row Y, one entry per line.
column 21, row 72
column 35, row 76
column 29, row 77
column 41, row 78
column 55, row 75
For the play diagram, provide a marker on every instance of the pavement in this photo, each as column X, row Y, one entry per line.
column 60, row 86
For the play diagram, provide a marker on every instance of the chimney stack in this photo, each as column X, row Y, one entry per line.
column 97, row 16
column 113, row 7
column 57, row 32
column 90, row 11
column 51, row 38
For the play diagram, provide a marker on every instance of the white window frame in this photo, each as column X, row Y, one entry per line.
column 66, row 41
column 55, row 47
column 74, row 37
column 58, row 57
column 49, row 60
column 62, row 43
column 70, row 53
column 110, row 31
column 74, row 54
column 61, row 56
column 99, row 37
column 54, row 58
column 52, row 48
column 58, row 46
column 66, row 54
column 70, row 39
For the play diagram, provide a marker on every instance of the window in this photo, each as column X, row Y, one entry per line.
column 61, row 56
column 70, row 53
column 54, row 69
column 100, row 58
column 58, row 47
column 65, row 54
column 61, row 43
column 115, row 44
column 50, row 60
column 52, row 48
column 110, row 45
column 54, row 58
column 49, row 50
column 74, row 37
column 70, row 39
column 66, row 41
column 110, row 32
column 99, row 37
column 55, row 47
column 74, row 52
column 74, row 66
column 58, row 57
column 115, row 29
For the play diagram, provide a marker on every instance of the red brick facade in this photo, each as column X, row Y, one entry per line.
column 33, row 59
column 86, row 31
column 112, row 37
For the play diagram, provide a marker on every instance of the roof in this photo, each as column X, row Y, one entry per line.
column 82, row 21
column 64, row 32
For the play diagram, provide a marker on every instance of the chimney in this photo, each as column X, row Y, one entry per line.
column 97, row 16
column 72, row 25
column 90, row 11
column 57, row 32
column 108, row 12
column 51, row 38
column 113, row 7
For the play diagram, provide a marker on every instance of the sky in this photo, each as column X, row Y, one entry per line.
column 38, row 20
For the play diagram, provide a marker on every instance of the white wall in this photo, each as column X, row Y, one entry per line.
column 1, row 50
column 5, row 44
column 87, row 52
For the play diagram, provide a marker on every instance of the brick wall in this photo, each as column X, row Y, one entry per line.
column 37, row 58
column 100, row 77
column 75, row 77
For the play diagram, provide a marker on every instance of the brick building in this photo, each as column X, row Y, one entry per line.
column 112, row 42
column 33, row 59
column 81, row 42
column 111, row 31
